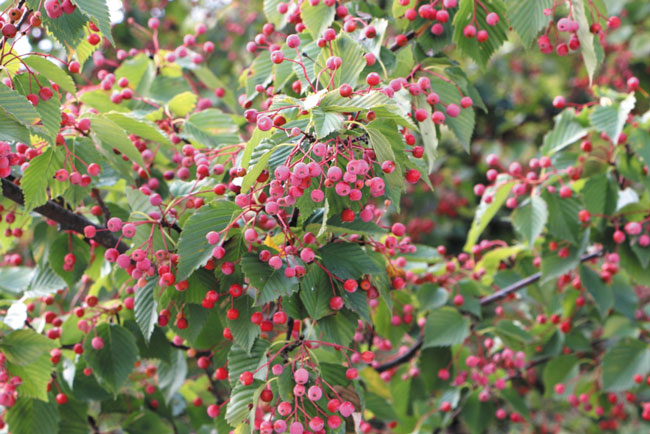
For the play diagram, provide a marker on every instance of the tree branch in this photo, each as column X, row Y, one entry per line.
column 410, row 35
column 408, row 355
column 403, row 358
column 67, row 220
column 525, row 282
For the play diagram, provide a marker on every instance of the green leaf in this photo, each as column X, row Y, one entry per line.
column 101, row 101
column 527, row 18
column 32, row 416
column 340, row 327
column 22, row 347
column 144, row 309
column 35, row 376
column 73, row 418
column 347, row 260
column 326, row 123
column 49, row 111
column 530, row 218
column 516, row 401
column 563, row 220
column 97, row 11
column 240, row 360
column 146, row 422
column 509, row 330
column 477, row 415
column 568, row 129
column 18, row 106
column 316, row 291
column 211, row 128
column 353, row 61
column 431, row 296
column 317, row 18
column 112, row 136
column 182, row 104
column 139, row 70
column 113, row 363
column 586, row 38
column 140, row 127
column 468, row 11
column 272, row 14
column 384, row 150
column 621, row 362
column 463, row 125
column 554, row 266
column 560, row 369
column 599, row 290
column 600, row 194
column 445, row 327
column 258, row 168
column 610, row 118
column 12, row 130
column 244, row 332
column 241, row 398
column 69, row 29
column 338, row 226
column 486, row 211
column 193, row 248
column 270, row 283
column 51, row 71
column 61, row 246
column 428, row 134
column 172, row 376
column 35, row 180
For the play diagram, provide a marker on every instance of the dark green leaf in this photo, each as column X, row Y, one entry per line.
column 622, row 362
column 97, row 11
column 567, row 130
column 193, row 248
column 22, row 347
column 270, row 283
column 240, row 360
column 445, row 327
column 530, row 218
column 527, row 18
column 144, row 309
column 347, row 260
column 599, row 290
column 113, row 363
column 468, row 11
column 316, row 291
column 610, row 119
column 32, row 416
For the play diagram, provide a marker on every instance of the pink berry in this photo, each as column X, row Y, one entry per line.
column 97, row 343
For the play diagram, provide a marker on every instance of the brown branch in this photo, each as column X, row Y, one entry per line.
column 410, row 35
column 67, row 220
column 525, row 282
column 408, row 355
column 403, row 358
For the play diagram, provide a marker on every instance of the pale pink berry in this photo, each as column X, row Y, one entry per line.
column 97, row 343
column 301, row 376
column 315, row 393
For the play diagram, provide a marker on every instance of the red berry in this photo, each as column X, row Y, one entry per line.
column 246, row 378
column 61, row 398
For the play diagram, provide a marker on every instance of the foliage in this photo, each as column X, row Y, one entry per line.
column 324, row 216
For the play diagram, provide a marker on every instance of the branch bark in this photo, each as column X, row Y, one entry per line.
column 517, row 286
column 67, row 220
column 525, row 282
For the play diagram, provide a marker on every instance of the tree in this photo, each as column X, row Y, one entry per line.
column 332, row 216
